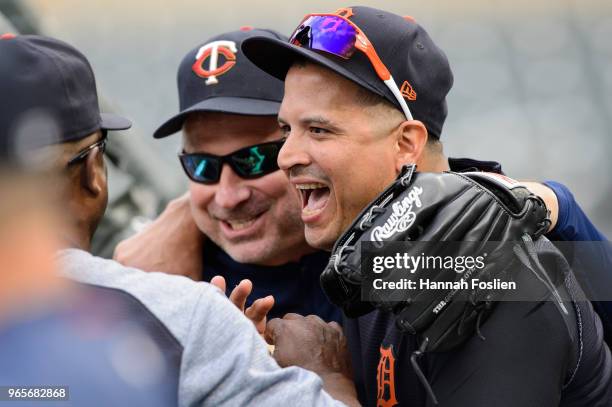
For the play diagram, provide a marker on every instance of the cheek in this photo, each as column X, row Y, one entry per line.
column 274, row 186
column 201, row 196
column 359, row 178
column 277, row 189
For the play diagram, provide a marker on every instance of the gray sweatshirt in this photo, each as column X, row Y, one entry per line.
column 224, row 361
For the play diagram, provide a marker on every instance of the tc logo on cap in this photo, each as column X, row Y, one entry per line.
column 212, row 50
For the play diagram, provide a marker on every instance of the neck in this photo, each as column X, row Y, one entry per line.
column 296, row 254
column 77, row 237
column 436, row 162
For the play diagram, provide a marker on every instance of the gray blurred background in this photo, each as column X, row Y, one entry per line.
column 533, row 79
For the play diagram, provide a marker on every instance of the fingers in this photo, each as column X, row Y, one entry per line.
column 275, row 326
column 219, row 282
column 315, row 319
column 240, row 293
column 258, row 311
column 272, row 329
column 336, row 326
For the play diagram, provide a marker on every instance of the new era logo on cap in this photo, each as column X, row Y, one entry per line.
column 407, row 91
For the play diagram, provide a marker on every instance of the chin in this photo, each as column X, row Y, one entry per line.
column 320, row 240
column 248, row 252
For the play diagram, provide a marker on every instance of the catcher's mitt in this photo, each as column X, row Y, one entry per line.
column 471, row 208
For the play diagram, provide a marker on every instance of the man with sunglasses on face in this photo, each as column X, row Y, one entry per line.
column 208, row 352
column 364, row 96
column 241, row 221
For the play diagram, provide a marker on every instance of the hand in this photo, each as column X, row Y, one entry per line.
column 309, row 342
column 316, row 345
column 172, row 243
column 257, row 312
column 549, row 197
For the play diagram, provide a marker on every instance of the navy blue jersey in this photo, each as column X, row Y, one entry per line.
column 295, row 286
column 533, row 354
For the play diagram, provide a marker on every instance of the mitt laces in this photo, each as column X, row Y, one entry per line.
column 341, row 267
column 414, row 361
column 528, row 256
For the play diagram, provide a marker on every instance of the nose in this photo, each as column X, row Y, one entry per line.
column 231, row 190
column 294, row 152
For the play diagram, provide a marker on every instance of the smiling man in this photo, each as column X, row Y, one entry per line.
column 241, row 220
column 346, row 157
column 365, row 95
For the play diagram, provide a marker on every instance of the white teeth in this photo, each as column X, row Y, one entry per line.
column 241, row 224
column 309, row 212
column 310, row 186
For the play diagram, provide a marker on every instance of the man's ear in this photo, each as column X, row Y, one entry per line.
column 93, row 177
column 410, row 143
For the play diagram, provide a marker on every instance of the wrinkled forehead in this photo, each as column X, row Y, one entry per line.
column 221, row 133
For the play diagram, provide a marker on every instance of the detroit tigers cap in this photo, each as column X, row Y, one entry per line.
column 47, row 86
column 216, row 77
column 419, row 67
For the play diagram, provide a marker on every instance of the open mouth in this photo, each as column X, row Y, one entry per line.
column 314, row 197
column 241, row 224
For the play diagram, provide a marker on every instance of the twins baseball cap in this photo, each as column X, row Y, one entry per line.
column 216, row 77
column 364, row 44
column 48, row 94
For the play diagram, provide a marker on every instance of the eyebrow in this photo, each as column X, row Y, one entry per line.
column 313, row 120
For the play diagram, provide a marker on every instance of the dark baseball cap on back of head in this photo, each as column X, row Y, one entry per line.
column 420, row 69
column 48, row 94
column 216, row 77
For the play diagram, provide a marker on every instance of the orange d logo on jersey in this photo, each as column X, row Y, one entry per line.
column 211, row 52
column 385, row 378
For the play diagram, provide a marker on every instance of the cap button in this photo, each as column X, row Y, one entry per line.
column 410, row 19
column 246, row 28
column 7, row 36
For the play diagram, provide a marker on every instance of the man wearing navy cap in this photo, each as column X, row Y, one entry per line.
column 51, row 101
column 204, row 349
column 52, row 137
column 243, row 206
column 364, row 95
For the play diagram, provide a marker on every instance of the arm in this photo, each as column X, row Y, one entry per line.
column 172, row 243
column 568, row 220
column 227, row 364
column 224, row 361
column 572, row 224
